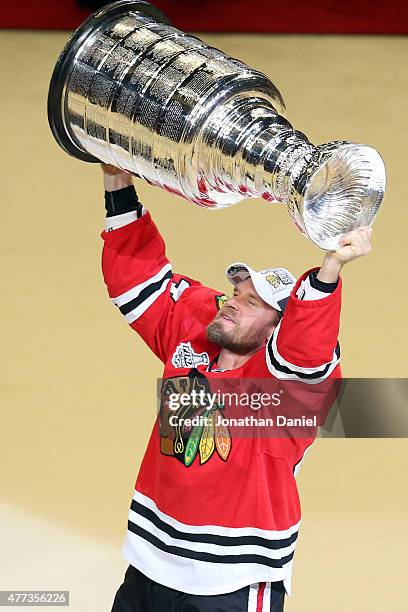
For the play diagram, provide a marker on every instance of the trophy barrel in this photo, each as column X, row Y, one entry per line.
column 56, row 108
column 132, row 91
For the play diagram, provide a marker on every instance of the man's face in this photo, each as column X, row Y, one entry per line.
column 245, row 322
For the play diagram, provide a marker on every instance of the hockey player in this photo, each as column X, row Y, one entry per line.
column 213, row 522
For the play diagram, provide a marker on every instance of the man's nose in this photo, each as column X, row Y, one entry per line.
column 233, row 303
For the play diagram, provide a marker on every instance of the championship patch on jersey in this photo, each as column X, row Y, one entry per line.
column 220, row 300
column 185, row 357
column 193, row 429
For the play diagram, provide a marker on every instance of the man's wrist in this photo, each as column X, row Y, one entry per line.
column 322, row 286
column 114, row 182
column 330, row 269
column 121, row 201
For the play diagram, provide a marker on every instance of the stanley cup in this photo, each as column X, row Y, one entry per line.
column 132, row 91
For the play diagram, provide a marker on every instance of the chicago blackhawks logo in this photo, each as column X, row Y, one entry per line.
column 220, row 300
column 190, row 420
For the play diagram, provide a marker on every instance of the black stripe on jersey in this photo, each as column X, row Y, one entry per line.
column 303, row 375
column 144, row 294
column 208, row 538
column 204, row 556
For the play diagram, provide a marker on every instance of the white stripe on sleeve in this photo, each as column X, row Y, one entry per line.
column 112, row 223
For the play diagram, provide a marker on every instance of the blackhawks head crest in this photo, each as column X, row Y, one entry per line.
column 220, row 300
column 189, row 426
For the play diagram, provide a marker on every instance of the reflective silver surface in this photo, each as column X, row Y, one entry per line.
column 148, row 98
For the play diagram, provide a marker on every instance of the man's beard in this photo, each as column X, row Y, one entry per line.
column 229, row 340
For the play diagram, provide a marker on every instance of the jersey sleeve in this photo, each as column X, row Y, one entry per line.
column 304, row 345
column 159, row 305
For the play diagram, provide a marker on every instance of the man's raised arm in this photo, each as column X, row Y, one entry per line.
column 159, row 305
column 304, row 345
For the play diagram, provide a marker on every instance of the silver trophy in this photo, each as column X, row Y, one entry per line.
column 131, row 90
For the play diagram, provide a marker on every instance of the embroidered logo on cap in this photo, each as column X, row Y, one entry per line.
column 236, row 269
column 273, row 280
column 278, row 275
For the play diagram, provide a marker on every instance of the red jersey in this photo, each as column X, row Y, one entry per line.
column 209, row 514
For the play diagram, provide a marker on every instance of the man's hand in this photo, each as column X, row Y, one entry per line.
column 114, row 178
column 356, row 243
